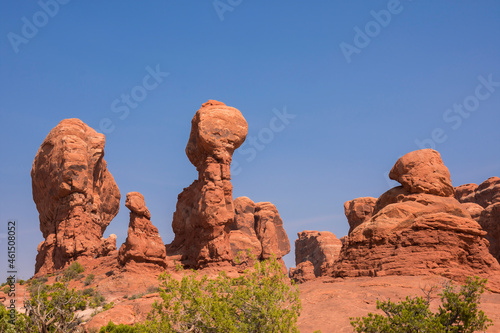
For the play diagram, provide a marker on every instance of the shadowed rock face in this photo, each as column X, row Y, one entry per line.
column 143, row 243
column 257, row 229
column 483, row 203
column 321, row 248
column 205, row 209
column 73, row 191
column 419, row 228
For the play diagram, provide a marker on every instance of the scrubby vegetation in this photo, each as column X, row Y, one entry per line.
column 261, row 300
column 458, row 312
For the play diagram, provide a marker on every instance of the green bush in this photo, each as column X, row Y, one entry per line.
column 457, row 313
column 20, row 323
column 73, row 271
column 89, row 279
column 261, row 300
column 52, row 307
column 112, row 328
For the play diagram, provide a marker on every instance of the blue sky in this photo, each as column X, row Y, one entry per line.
column 362, row 83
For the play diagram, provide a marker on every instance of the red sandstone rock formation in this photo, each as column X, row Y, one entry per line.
column 418, row 228
column 321, row 248
column 257, row 229
column 358, row 211
column 209, row 227
column 487, row 193
column 303, row 272
column 73, row 191
column 143, row 243
column 423, row 171
column 487, row 196
column 205, row 209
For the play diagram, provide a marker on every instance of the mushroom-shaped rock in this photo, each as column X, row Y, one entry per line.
column 358, row 211
column 420, row 228
column 73, row 191
column 205, row 209
column 423, row 171
column 143, row 243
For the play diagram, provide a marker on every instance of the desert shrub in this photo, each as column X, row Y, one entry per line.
column 96, row 299
column 135, row 296
column 108, row 306
column 51, row 308
column 113, row 328
column 21, row 282
column 89, row 279
column 73, row 271
column 260, row 300
column 152, row 289
column 6, row 289
column 458, row 312
column 20, row 324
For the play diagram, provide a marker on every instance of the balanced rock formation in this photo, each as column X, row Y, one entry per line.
column 423, row 171
column 483, row 203
column 143, row 243
column 73, row 191
column 418, row 228
column 358, row 211
column 320, row 248
column 205, row 209
column 210, row 228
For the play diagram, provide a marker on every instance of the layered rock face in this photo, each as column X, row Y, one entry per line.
column 205, row 209
column 143, row 243
column 73, row 191
column 418, row 228
column 319, row 248
column 483, row 203
column 257, row 228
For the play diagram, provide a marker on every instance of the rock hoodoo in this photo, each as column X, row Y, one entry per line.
column 320, row 248
column 205, row 212
column 73, row 191
column 143, row 243
column 418, row 228
column 483, row 203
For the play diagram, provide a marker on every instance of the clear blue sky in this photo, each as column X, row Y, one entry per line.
column 360, row 100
